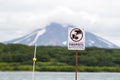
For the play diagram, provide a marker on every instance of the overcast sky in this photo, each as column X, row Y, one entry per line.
column 19, row 17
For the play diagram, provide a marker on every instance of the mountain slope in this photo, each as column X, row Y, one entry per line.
column 57, row 35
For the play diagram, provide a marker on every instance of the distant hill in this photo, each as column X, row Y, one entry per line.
column 56, row 35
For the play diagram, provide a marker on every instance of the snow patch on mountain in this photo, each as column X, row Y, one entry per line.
column 39, row 33
column 65, row 43
column 107, row 42
column 27, row 37
column 91, row 42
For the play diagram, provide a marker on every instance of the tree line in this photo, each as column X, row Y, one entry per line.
column 92, row 56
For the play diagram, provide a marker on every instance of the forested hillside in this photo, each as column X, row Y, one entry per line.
column 51, row 58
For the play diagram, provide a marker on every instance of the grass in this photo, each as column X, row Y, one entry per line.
column 56, row 67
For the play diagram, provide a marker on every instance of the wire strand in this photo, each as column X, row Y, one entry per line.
column 34, row 60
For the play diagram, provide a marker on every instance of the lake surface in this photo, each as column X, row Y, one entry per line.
column 58, row 76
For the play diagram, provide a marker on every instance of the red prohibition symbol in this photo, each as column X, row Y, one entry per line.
column 76, row 34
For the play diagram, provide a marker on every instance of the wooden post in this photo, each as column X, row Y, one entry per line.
column 76, row 73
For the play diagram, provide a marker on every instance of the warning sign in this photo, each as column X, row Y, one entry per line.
column 76, row 39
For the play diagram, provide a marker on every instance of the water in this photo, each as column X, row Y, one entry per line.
column 58, row 76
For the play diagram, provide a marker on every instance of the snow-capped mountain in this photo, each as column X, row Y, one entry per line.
column 57, row 35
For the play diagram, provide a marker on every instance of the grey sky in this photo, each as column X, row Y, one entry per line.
column 18, row 17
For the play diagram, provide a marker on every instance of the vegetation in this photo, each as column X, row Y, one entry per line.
column 17, row 57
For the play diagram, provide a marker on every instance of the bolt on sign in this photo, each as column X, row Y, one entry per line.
column 76, row 39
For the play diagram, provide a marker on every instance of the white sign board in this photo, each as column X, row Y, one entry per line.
column 76, row 39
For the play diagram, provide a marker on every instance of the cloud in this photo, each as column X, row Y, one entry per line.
column 26, row 22
column 18, row 18
column 16, row 22
column 65, row 15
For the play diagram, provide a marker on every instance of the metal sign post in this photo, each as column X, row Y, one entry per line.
column 76, row 41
